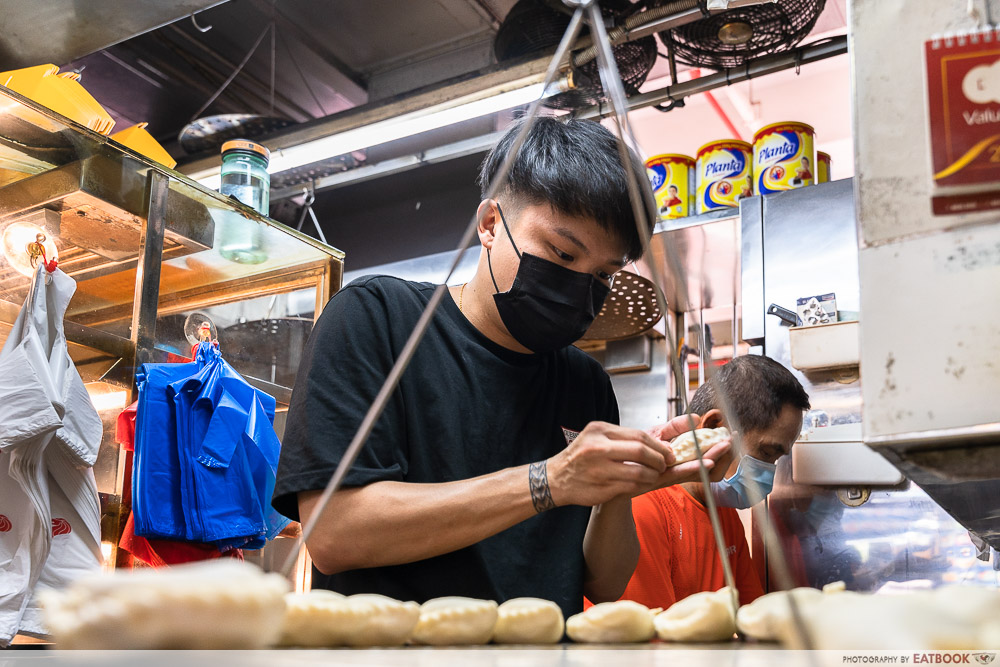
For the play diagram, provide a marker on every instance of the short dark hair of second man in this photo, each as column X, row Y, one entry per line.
column 757, row 388
column 576, row 167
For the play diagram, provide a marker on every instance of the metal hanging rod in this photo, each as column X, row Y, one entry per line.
column 673, row 94
column 803, row 55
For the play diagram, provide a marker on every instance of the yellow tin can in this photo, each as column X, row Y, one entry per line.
column 783, row 157
column 672, row 178
column 822, row 167
column 723, row 174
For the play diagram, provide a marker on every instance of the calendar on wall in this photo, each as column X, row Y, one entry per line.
column 963, row 96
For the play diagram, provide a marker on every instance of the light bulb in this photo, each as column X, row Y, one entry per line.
column 106, row 397
column 16, row 238
column 107, row 565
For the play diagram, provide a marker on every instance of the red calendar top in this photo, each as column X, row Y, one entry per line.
column 963, row 93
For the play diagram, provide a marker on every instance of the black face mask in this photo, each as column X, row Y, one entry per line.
column 549, row 306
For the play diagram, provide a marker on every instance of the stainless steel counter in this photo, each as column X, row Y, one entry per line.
column 571, row 655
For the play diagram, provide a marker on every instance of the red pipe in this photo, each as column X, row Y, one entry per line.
column 695, row 74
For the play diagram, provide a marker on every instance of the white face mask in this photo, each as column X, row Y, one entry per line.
column 740, row 490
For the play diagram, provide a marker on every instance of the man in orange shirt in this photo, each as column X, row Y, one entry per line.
column 678, row 554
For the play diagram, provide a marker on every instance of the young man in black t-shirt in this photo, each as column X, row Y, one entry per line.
column 497, row 469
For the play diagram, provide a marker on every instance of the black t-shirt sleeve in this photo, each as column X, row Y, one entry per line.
column 348, row 356
column 611, row 414
column 606, row 403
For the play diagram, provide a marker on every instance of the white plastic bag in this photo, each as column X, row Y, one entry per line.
column 49, row 437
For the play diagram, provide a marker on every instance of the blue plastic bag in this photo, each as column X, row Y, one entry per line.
column 222, row 477
column 156, row 492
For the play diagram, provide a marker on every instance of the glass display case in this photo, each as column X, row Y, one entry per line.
column 154, row 255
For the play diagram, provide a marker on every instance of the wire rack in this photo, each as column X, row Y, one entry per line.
column 773, row 27
column 536, row 26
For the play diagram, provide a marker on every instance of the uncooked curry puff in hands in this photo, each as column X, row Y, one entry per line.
column 684, row 444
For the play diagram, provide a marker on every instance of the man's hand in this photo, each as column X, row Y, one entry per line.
column 721, row 455
column 674, row 427
column 604, row 467
column 603, row 462
column 716, row 460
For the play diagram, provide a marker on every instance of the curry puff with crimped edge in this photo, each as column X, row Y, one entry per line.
column 323, row 619
column 528, row 621
column 455, row 621
column 684, row 444
column 621, row 622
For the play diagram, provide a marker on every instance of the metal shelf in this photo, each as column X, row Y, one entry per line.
column 144, row 243
column 701, row 252
column 696, row 220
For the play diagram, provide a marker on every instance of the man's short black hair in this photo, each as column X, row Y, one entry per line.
column 757, row 389
column 576, row 167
